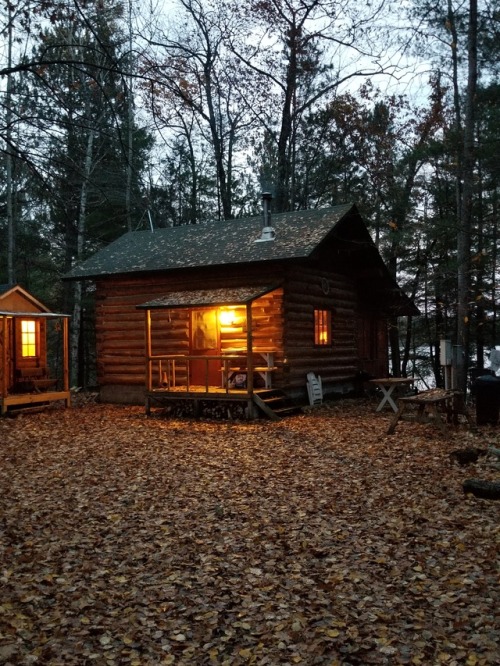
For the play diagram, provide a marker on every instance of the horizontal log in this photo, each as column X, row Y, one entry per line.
column 303, row 352
column 124, row 325
column 178, row 334
column 269, row 328
column 345, row 300
column 303, row 338
column 147, row 288
column 349, row 370
column 110, row 378
column 122, row 354
column 300, row 382
column 300, row 305
column 345, row 369
column 211, row 278
column 483, row 489
column 301, row 281
column 170, row 323
column 133, row 365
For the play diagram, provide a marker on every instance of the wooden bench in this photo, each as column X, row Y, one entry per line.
column 431, row 405
column 33, row 379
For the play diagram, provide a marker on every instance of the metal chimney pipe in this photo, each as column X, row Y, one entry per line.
column 267, row 233
column 266, row 209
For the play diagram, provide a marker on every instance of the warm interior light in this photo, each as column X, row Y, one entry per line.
column 28, row 338
column 322, row 327
column 227, row 317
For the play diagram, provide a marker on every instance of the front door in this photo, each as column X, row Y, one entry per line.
column 205, row 342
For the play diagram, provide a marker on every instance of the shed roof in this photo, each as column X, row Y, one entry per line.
column 298, row 234
column 33, row 315
column 14, row 295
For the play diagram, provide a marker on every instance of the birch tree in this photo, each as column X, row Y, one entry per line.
column 466, row 202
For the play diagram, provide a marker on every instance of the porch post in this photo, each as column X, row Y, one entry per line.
column 4, row 358
column 149, row 378
column 249, row 349
column 66, row 360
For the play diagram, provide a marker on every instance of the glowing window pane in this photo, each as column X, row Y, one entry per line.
column 28, row 338
column 322, row 327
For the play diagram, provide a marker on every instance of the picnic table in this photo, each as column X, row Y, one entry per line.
column 431, row 405
column 387, row 386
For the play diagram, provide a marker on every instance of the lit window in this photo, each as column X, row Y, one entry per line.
column 28, row 338
column 322, row 327
column 227, row 317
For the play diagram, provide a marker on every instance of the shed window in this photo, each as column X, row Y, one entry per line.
column 322, row 327
column 28, row 338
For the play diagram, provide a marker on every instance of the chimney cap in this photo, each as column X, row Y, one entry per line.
column 267, row 234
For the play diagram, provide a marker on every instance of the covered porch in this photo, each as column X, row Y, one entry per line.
column 34, row 359
column 214, row 344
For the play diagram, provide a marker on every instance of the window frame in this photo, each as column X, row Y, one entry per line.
column 29, row 339
column 322, row 318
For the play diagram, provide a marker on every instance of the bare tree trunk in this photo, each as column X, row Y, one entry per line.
column 479, row 287
column 11, row 231
column 465, row 213
column 130, row 118
column 494, row 268
column 77, row 294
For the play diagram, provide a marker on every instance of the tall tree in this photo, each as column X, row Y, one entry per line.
column 193, row 73
column 11, row 274
column 468, row 38
column 303, row 52
column 89, row 188
column 466, row 201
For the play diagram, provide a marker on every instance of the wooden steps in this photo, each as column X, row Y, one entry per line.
column 275, row 404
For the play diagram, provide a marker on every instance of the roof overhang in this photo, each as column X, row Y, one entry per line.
column 207, row 297
column 33, row 315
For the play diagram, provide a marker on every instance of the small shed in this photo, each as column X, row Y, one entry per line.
column 29, row 376
column 231, row 310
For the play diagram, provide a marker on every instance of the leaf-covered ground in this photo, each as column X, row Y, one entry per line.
column 315, row 540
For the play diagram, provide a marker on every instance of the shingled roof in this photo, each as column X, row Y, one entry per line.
column 298, row 234
column 204, row 297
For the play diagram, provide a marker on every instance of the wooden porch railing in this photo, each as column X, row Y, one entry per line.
column 173, row 372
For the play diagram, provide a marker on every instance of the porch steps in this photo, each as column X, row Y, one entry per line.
column 275, row 404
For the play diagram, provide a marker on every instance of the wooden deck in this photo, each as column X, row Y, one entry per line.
column 196, row 394
column 273, row 403
column 20, row 401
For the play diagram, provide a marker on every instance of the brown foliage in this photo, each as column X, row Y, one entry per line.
column 314, row 540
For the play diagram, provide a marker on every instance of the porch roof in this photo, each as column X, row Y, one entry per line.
column 33, row 315
column 203, row 297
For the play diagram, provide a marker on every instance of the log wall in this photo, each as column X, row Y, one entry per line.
column 309, row 289
column 359, row 338
column 120, row 327
column 282, row 320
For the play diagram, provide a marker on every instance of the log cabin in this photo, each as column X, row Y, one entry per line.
column 243, row 309
column 27, row 375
